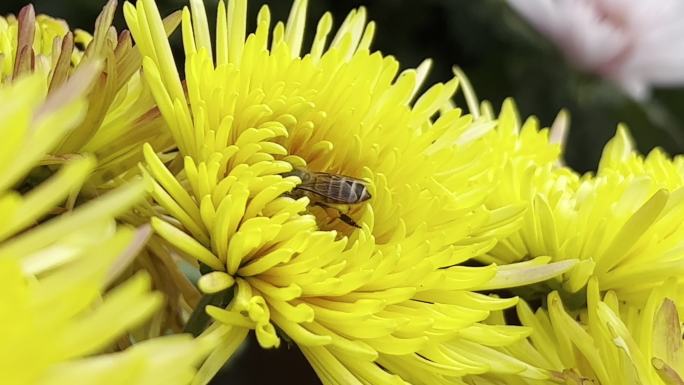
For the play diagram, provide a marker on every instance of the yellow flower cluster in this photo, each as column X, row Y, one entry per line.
column 56, row 263
column 606, row 343
column 121, row 114
column 622, row 224
column 312, row 195
column 624, row 296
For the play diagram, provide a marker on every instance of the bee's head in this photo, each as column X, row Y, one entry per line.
column 301, row 173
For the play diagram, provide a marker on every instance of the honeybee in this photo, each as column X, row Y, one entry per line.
column 325, row 189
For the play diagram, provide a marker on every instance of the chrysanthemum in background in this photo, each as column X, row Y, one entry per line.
column 121, row 115
column 387, row 302
column 622, row 224
column 54, row 269
column 637, row 44
column 607, row 343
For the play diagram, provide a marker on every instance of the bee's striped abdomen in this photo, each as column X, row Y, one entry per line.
column 332, row 188
column 340, row 189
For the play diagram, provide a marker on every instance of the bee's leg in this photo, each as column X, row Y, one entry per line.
column 348, row 220
column 342, row 216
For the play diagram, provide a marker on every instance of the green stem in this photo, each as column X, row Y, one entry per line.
column 199, row 319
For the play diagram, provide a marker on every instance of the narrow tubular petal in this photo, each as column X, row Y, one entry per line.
column 231, row 339
column 109, row 205
column 237, row 21
column 37, row 202
column 328, row 368
column 86, row 335
column 521, row 274
column 201, row 27
column 185, row 243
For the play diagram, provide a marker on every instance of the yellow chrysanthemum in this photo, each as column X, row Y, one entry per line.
column 385, row 303
column 607, row 343
column 621, row 156
column 55, row 268
column 622, row 223
column 121, row 114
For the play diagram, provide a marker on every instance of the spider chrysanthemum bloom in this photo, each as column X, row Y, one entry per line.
column 607, row 343
column 54, row 269
column 121, row 114
column 622, row 223
column 386, row 302
column 120, row 117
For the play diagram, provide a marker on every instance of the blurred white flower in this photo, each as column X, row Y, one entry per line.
column 635, row 43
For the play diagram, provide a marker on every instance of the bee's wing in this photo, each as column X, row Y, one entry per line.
column 338, row 178
column 329, row 186
column 318, row 182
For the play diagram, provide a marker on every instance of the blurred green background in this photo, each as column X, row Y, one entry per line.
column 502, row 56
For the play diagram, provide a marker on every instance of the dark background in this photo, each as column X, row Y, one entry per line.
column 501, row 55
